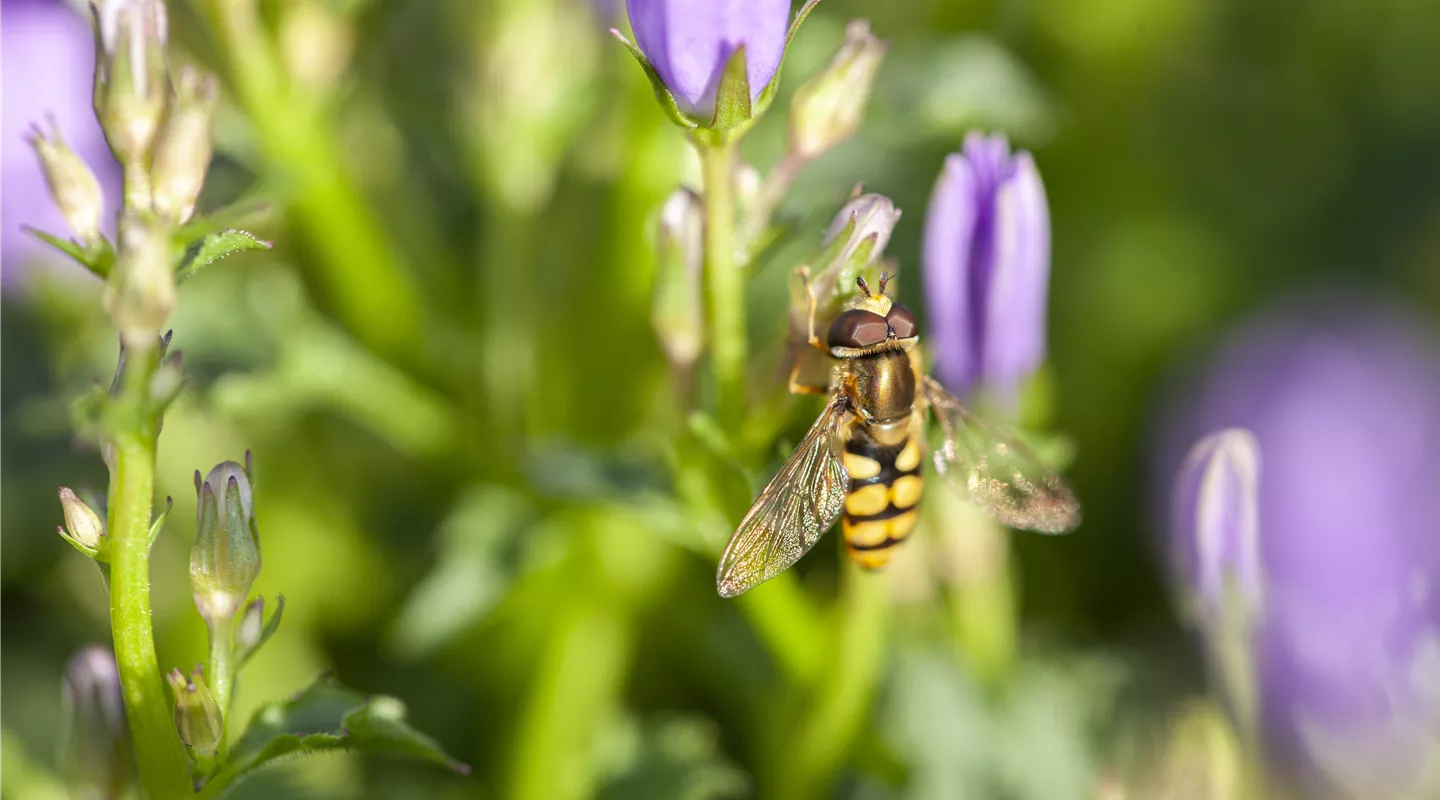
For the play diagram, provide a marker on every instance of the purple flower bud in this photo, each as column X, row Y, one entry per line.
column 987, row 268
column 96, row 751
column 689, row 42
column 866, row 223
column 55, row 35
column 1215, row 522
column 1343, row 406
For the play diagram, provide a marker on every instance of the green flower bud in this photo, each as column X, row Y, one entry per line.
column 182, row 153
column 83, row 528
column 141, row 291
column 131, row 78
column 677, row 314
column 72, row 185
column 863, row 226
column 226, row 556
column 95, row 754
column 197, row 716
column 252, row 623
column 828, row 108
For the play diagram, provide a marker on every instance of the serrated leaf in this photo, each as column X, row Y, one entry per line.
column 325, row 717
column 732, row 96
column 99, row 261
column 231, row 216
column 214, row 246
column 271, row 625
column 662, row 92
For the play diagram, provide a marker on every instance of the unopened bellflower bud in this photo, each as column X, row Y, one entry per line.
column 84, row 529
column 226, row 557
column 96, row 748
column 689, row 46
column 679, row 248
column 182, row 152
column 828, row 108
column 140, row 293
column 987, row 269
column 1215, row 517
column 198, row 720
column 864, row 225
column 72, row 184
column 131, row 77
column 855, row 240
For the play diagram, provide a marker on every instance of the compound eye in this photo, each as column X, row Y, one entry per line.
column 902, row 322
column 857, row 328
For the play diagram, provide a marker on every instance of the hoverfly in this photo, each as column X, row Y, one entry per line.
column 861, row 459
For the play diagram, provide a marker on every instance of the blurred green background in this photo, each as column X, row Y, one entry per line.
column 474, row 483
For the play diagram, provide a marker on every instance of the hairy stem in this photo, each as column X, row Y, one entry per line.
column 164, row 769
column 724, row 281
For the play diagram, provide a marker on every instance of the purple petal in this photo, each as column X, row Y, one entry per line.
column 52, row 34
column 949, row 235
column 690, row 41
column 1018, row 284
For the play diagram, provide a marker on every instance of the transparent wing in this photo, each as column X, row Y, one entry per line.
column 999, row 474
column 798, row 505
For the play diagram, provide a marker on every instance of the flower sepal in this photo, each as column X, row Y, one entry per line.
column 668, row 104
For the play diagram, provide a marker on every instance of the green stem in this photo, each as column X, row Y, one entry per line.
column 840, row 700
column 164, row 769
column 221, row 672
column 724, row 280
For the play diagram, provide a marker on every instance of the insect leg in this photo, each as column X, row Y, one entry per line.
column 803, row 388
column 811, row 303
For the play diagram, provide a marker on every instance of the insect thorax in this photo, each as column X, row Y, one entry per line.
column 884, row 386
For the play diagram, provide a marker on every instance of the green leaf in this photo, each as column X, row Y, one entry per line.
column 214, row 246
column 326, row 717
column 732, row 96
column 232, row 216
column 271, row 625
column 662, row 92
column 98, row 261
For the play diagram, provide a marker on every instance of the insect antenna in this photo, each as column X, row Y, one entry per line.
column 860, row 281
column 884, row 279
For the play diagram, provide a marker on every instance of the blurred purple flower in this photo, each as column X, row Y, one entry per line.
column 96, row 751
column 987, row 268
column 689, row 43
column 1215, row 521
column 48, row 66
column 1345, row 408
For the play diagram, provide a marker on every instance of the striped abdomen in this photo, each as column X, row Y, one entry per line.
column 885, row 487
